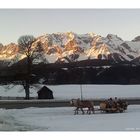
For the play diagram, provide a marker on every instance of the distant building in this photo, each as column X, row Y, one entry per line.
column 45, row 93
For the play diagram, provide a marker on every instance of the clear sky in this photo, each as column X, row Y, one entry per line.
column 16, row 22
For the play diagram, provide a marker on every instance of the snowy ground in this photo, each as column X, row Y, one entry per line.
column 73, row 91
column 63, row 119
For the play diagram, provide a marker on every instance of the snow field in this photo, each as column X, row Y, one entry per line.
column 63, row 119
column 73, row 91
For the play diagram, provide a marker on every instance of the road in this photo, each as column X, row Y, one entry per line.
column 19, row 104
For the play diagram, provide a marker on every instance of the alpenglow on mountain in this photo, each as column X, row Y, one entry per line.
column 71, row 47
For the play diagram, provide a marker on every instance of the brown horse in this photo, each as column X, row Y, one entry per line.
column 80, row 104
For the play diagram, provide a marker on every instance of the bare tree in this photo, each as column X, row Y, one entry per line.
column 26, row 46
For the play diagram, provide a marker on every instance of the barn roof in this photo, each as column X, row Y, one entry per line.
column 44, row 88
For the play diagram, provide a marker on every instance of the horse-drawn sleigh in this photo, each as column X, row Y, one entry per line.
column 105, row 106
column 118, row 107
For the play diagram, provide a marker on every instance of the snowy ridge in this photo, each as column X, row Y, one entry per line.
column 71, row 47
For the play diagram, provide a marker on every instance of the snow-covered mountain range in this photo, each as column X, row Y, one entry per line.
column 70, row 47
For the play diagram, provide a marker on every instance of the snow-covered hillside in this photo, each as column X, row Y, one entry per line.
column 69, row 47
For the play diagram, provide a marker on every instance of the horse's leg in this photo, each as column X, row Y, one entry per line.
column 82, row 110
column 93, row 110
column 87, row 110
column 90, row 110
column 76, row 111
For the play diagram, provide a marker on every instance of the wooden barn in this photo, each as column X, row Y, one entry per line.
column 45, row 93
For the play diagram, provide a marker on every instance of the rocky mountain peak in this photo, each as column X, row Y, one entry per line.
column 69, row 47
column 136, row 39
